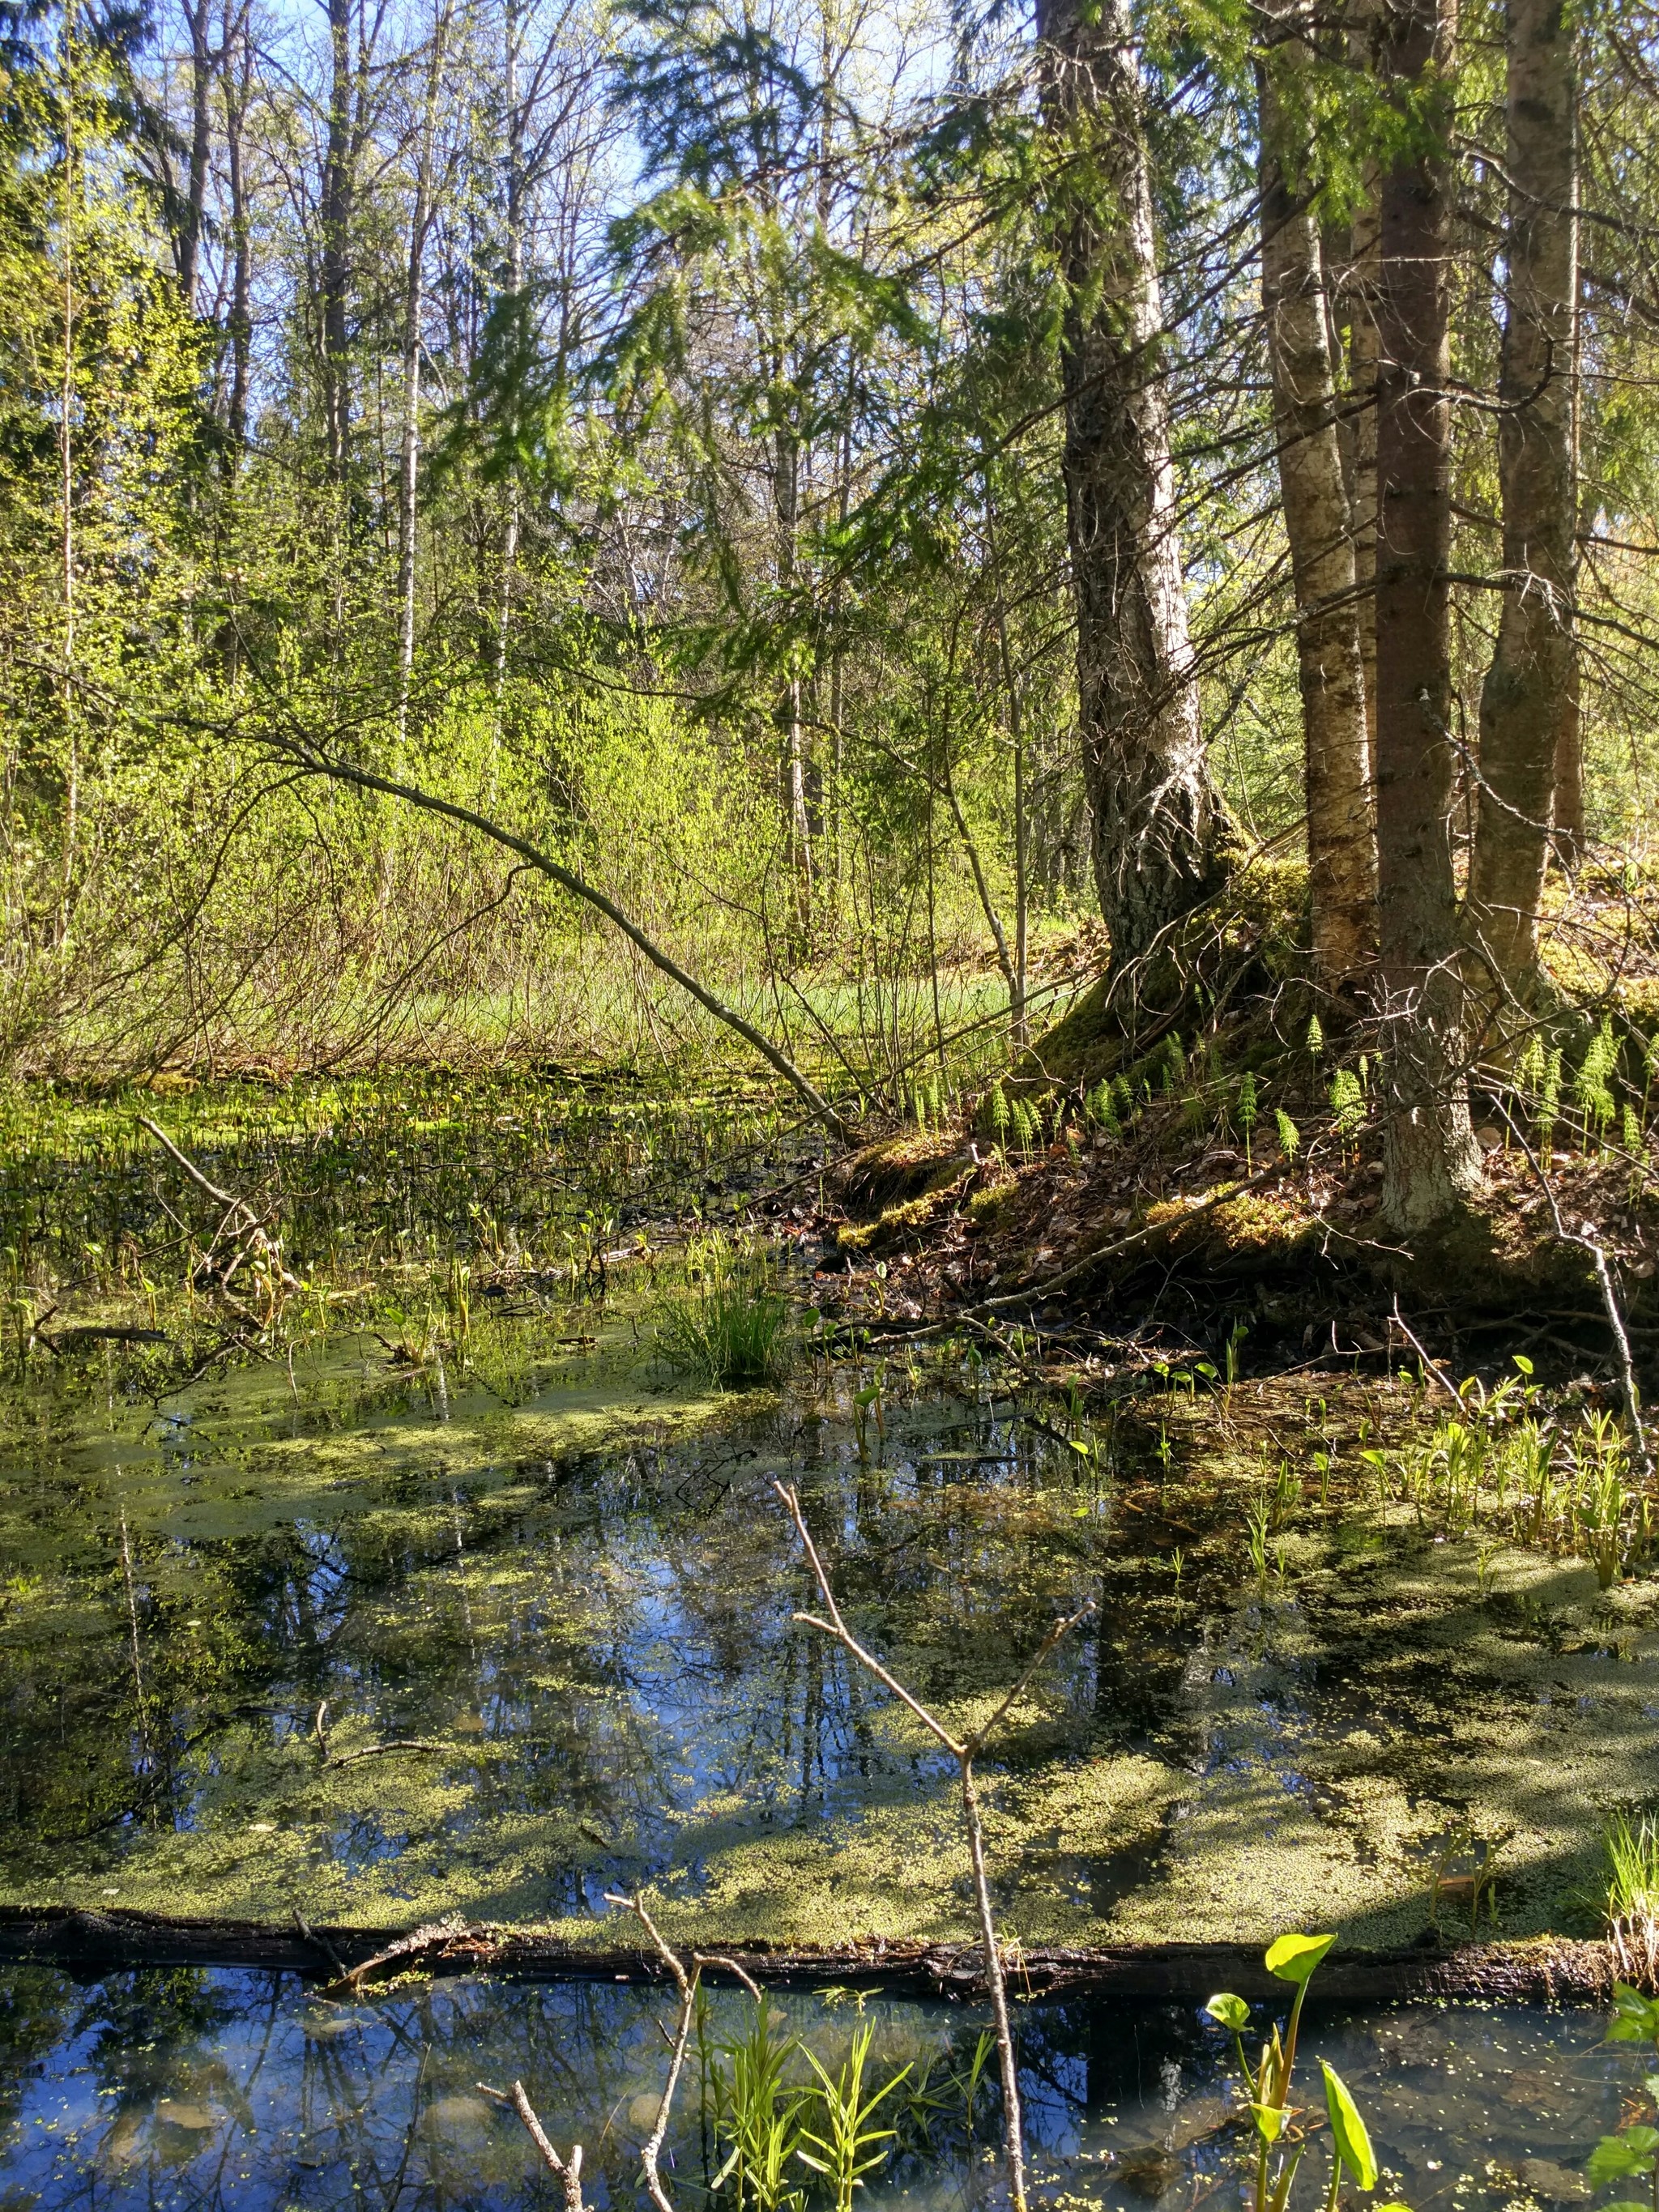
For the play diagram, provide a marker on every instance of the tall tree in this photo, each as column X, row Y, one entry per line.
column 424, row 131
column 1432, row 1163
column 1162, row 839
column 1529, row 693
column 1318, row 522
column 205, row 61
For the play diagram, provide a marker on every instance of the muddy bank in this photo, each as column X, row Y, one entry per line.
column 1548, row 1970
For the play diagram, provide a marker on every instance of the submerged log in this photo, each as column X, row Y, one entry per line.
column 1543, row 1970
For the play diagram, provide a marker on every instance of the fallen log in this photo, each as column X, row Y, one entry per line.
column 1543, row 1970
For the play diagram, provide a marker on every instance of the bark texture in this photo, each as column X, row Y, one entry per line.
column 1363, row 285
column 1529, row 696
column 1430, row 1161
column 1162, row 839
column 1318, row 524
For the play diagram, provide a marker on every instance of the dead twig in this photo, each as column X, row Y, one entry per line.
column 964, row 1751
column 309, row 1935
column 241, row 1228
column 1431, row 1367
column 1589, row 1242
column 569, row 2170
column 715, row 1958
column 651, row 2149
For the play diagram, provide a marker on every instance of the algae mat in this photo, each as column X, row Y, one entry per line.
column 376, row 1647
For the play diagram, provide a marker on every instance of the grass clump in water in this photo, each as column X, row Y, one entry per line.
column 1632, row 1851
column 731, row 1326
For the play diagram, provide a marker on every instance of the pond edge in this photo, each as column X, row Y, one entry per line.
column 1543, row 1970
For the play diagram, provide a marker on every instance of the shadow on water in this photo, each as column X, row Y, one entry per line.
column 196, row 2088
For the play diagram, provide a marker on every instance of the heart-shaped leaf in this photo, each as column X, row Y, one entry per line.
column 1229, row 2011
column 1293, row 1958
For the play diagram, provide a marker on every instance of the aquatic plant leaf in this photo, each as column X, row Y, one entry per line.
column 1229, row 2011
column 1615, row 2156
column 1293, row 1958
column 1269, row 2121
column 1348, row 2131
column 1635, row 2018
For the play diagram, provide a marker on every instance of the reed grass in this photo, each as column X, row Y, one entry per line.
column 1631, row 1851
column 731, row 1326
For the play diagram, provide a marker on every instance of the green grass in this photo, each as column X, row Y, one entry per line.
column 731, row 1326
column 1633, row 1868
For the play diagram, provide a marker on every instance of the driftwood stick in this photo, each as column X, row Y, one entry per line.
column 322, row 1943
column 965, row 1754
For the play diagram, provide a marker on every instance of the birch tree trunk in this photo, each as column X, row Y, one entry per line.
column 204, row 64
column 514, row 182
column 1430, row 1162
column 1319, row 523
column 1529, row 693
column 408, row 470
column 1162, row 839
column 239, row 70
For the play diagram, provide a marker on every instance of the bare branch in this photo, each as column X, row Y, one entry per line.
column 651, row 2149
column 569, row 2171
column 716, row 1959
column 964, row 1754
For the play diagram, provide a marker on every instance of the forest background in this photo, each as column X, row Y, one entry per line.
column 868, row 489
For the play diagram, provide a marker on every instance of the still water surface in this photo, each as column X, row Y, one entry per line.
column 200, row 2088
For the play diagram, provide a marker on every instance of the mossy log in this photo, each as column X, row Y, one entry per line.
column 1547, row 1970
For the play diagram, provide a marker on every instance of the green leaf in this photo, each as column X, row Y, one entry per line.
column 1353, row 2144
column 1635, row 2018
column 1229, row 2011
column 1293, row 1958
column 1616, row 2156
column 1269, row 2121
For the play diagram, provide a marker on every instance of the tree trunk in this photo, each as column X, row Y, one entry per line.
column 337, row 195
column 1528, row 695
column 1430, row 1160
column 786, row 492
column 1569, row 815
column 203, row 63
column 238, row 67
column 1162, row 839
column 1364, row 279
column 1319, row 523
column 408, row 470
column 514, row 189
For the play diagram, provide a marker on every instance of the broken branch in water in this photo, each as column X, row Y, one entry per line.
column 569, row 2170
column 964, row 1752
column 650, row 2150
column 242, row 1230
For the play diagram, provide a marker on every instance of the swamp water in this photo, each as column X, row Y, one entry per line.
column 375, row 1634
column 204, row 2087
column 331, row 1636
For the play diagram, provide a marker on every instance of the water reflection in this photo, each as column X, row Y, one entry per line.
column 195, row 2087
column 592, row 1651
